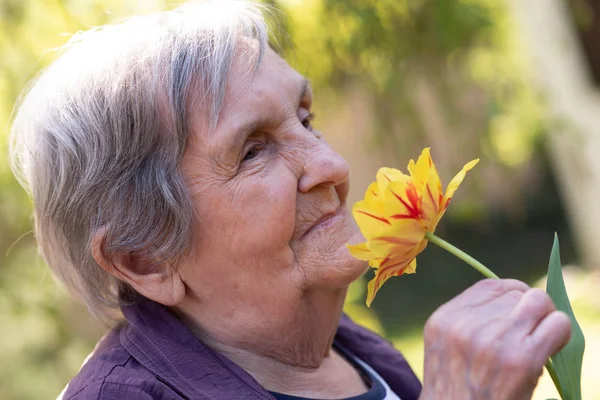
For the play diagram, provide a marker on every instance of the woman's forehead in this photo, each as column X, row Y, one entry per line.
column 274, row 75
column 252, row 96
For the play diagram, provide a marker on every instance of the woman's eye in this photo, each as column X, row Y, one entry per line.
column 250, row 154
column 307, row 122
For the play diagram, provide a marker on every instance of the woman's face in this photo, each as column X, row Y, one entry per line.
column 270, row 196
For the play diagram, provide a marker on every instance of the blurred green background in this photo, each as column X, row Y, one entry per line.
column 470, row 78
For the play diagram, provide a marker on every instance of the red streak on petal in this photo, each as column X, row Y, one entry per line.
column 402, row 216
column 412, row 209
column 413, row 197
column 386, row 177
column 384, row 261
column 395, row 240
column 373, row 193
column 398, row 273
column 386, row 267
column 436, row 203
column 377, row 284
column 374, row 216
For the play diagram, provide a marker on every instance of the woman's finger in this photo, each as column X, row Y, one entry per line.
column 531, row 309
column 486, row 290
column 551, row 335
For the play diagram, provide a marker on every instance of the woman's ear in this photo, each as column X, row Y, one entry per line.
column 160, row 283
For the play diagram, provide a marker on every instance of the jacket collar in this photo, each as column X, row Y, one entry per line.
column 380, row 355
column 157, row 339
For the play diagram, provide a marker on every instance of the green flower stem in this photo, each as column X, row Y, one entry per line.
column 488, row 274
column 462, row 255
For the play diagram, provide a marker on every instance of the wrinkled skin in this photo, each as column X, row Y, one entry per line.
column 479, row 345
column 491, row 342
column 258, row 267
column 269, row 269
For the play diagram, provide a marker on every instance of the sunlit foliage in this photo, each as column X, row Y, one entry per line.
column 456, row 61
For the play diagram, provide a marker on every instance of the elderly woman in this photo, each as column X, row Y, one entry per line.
column 178, row 179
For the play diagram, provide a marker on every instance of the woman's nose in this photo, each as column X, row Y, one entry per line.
column 323, row 167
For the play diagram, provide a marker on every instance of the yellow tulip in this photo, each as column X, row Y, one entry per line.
column 398, row 217
column 395, row 215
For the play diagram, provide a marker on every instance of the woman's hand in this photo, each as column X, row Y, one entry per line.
column 491, row 342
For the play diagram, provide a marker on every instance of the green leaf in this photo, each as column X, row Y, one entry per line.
column 567, row 362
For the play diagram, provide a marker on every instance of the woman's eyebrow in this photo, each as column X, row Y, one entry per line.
column 304, row 89
column 242, row 131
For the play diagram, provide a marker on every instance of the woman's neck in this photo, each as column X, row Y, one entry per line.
column 298, row 358
column 333, row 378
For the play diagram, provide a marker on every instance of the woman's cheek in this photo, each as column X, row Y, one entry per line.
column 279, row 208
column 269, row 212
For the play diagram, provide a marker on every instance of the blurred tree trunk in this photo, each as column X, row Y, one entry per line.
column 573, row 141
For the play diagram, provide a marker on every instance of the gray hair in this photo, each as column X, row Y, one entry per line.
column 98, row 138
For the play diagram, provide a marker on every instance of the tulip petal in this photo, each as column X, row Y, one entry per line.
column 370, row 222
column 402, row 201
column 383, row 274
column 369, row 213
column 457, row 180
column 432, row 198
column 373, row 200
column 412, row 267
column 419, row 171
column 377, row 262
column 401, row 238
column 372, row 192
column 361, row 251
column 371, row 291
column 395, row 215
column 386, row 175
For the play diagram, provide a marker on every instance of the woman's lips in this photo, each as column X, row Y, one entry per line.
column 327, row 220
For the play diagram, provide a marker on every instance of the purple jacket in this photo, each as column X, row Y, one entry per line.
column 154, row 356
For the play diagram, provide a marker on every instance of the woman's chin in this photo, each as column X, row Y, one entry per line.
column 344, row 268
column 355, row 268
column 340, row 271
column 325, row 261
